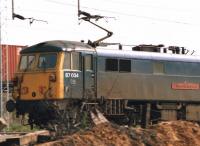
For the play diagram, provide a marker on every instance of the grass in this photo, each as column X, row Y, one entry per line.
column 16, row 127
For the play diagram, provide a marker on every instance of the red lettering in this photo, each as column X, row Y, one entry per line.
column 185, row 86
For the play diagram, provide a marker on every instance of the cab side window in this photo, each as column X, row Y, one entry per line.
column 72, row 61
column 75, row 61
column 67, row 61
column 88, row 62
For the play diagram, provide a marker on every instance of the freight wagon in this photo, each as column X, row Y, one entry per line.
column 10, row 58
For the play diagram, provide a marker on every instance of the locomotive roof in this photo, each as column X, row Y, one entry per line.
column 147, row 55
column 54, row 46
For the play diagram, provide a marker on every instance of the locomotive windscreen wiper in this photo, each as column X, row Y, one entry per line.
column 31, row 62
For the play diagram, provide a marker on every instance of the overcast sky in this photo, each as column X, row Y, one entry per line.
column 169, row 22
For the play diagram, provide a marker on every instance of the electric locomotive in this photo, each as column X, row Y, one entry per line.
column 57, row 80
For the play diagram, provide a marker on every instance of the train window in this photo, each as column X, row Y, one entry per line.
column 111, row 65
column 31, row 59
column 192, row 68
column 142, row 66
column 75, row 61
column 47, row 61
column 23, row 62
column 158, row 68
column 88, row 62
column 125, row 65
column 174, row 68
column 67, row 61
column 27, row 62
column 182, row 68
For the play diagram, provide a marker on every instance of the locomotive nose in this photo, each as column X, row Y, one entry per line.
column 10, row 105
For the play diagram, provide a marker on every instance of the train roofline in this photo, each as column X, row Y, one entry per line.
column 146, row 55
column 55, row 46
column 62, row 45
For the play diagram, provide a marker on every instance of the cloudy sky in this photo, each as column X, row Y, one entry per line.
column 169, row 22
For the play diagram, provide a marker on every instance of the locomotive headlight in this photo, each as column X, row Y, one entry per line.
column 52, row 77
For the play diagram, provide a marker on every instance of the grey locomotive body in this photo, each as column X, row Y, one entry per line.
column 149, row 87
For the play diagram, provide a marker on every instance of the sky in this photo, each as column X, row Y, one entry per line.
column 168, row 22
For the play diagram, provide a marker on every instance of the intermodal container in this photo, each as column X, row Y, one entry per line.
column 10, row 59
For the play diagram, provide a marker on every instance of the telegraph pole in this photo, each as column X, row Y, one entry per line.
column 1, row 88
column 31, row 19
column 13, row 9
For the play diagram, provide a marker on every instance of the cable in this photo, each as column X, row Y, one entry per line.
column 125, row 14
column 109, row 11
column 144, row 5
column 39, row 11
column 39, row 28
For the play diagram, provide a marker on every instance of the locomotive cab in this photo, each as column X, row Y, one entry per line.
column 37, row 76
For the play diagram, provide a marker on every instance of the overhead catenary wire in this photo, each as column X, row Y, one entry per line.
column 18, row 16
column 71, row 6
column 111, row 12
column 125, row 14
column 45, row 12
column 130, row 3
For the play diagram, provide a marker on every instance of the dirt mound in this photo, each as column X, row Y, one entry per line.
column 176, row 133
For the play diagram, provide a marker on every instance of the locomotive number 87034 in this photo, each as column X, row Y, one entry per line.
column 56, row 78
